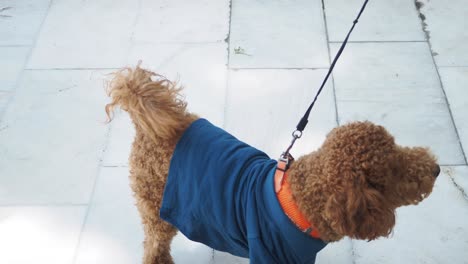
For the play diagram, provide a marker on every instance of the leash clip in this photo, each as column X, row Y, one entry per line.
column 283, row 165
column 286, row 156
column 287, row 160
column 284, row 161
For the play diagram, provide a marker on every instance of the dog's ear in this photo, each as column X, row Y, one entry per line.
column 359, row 211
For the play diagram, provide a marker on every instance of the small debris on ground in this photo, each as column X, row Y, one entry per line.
column 240, row 50
column 4, row 9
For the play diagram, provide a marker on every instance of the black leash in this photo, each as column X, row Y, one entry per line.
column 305, row 119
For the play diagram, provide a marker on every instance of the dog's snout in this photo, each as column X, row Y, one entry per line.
column 436, row 171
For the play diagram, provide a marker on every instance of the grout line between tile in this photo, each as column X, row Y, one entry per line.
column 228, row 37
column 459, row 188
column 447, row 103
column 353, row 252
column 132, row 36
column 418, row 5
column 452, row 66
column 144, row 43
column 226, row 97
column 228, row 72
column 25, row 63
column 337, row 123
column 44, row 205
column 380, row 41
column 69, row 69
column 93, row 190
column 212, row 260
column 15, row 46
column 115, row 166
column 273, row 68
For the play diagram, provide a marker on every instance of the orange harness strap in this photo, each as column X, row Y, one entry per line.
column 290, row 208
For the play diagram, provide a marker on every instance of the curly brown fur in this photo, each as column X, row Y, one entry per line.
column 351, row 186
column 160, row 118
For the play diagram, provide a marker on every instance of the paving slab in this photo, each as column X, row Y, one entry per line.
column 199, row 68
column 226, row 258
column 20, row 20
column 122, row 133
column 271, row 103
column 182, row 21
column 397, row 85
column 4, row 98
column 52, row 137
column 455, row 81
column 431, row 232
column 85, row 34
column 113, row 232
column 277, row 34
column 42, row 234
column 395, row 20
column 11, row 65
column 446, row 26
column 336, row 253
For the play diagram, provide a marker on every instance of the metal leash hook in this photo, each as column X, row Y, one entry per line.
column 286, row 156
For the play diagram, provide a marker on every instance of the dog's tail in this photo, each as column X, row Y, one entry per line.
column 155, row 106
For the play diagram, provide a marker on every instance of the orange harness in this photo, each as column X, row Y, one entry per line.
column 285, row 198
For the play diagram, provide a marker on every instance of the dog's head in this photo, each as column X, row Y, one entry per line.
column 368, row 176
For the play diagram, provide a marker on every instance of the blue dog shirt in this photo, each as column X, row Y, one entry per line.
column 220, row 192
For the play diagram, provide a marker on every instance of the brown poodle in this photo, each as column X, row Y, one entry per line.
column 350, row 187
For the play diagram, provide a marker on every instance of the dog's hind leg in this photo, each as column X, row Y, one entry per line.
column 158, row 233
column 149, row 166
column 158, row 238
